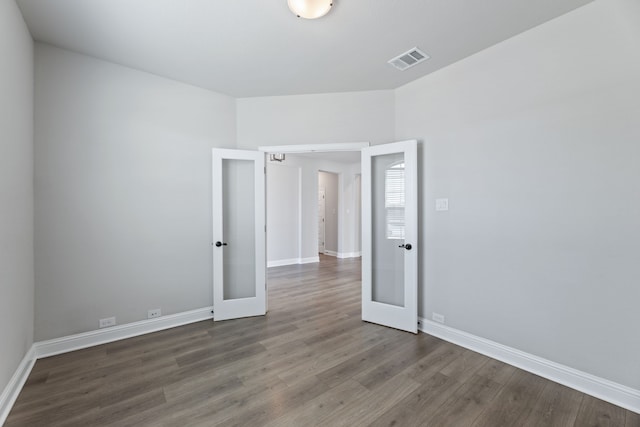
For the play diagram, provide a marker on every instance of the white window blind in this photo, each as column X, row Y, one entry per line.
column 394, row 201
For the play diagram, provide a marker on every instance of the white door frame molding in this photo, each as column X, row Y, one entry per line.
column 314, row 148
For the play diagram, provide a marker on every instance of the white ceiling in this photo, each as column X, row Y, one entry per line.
column 247, row 48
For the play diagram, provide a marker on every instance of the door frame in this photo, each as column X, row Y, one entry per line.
column 339, row 216
column 314, row 148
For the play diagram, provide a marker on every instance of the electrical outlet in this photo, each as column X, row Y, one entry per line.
column 109, row 321
column 156, row 312
column 438, row 318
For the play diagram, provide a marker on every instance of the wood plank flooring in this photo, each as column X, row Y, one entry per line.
column 311, row 361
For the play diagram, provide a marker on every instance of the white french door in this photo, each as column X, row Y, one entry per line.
column 390, row 235
column 239, row 251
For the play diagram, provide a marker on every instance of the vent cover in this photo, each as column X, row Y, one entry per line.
column 408, row 59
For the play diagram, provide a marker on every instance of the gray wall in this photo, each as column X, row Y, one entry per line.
column 123, row 192
column 316, row 119
column 536, row 143
column 283, row 212
column 16, row 190
column 329, row 182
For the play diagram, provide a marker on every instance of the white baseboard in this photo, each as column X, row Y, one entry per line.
column 120, row 332
column 292, row 261
column 12, row 390
column 343, row 254
column 349, row 254
column 281, row 262
column 601, row 388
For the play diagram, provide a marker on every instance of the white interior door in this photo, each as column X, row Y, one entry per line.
column 239, row 251
column 390, row 235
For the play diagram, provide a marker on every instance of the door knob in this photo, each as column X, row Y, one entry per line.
column 219, row 243
column 407, row 246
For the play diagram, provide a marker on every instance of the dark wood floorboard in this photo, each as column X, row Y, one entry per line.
column 311, row 361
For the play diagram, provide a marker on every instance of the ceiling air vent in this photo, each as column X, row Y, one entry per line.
column 408, row 59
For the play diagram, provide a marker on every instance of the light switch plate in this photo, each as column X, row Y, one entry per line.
column 442, row 204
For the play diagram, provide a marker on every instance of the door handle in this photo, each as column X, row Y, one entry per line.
column 407, row 246
column 219, row 243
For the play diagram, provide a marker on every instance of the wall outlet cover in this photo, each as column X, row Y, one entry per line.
column 109, row 321
column 438, row 318
column 153, row 313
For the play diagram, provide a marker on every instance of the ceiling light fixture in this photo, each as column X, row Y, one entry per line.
column 310, row 9
column 277, row 157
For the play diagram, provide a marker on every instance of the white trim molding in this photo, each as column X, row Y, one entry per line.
column 618, row 394
column 342, row 254
column 349, row 254
column 314, row 148
column 12, row 390
column 291, row 261
column 120, row 332
column 281, row 262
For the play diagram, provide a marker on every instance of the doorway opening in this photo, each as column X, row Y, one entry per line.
column 313, row 204
column 328, row 213
column 385, row 190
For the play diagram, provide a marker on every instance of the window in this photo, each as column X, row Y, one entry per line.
column 394, row 200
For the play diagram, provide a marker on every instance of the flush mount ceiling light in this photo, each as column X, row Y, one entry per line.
column 310, row 9
column 277, row 157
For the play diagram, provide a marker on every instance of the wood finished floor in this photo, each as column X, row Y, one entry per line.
column 310, row 361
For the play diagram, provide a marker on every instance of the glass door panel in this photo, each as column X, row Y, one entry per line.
column 387, row 199
column 238, row 223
